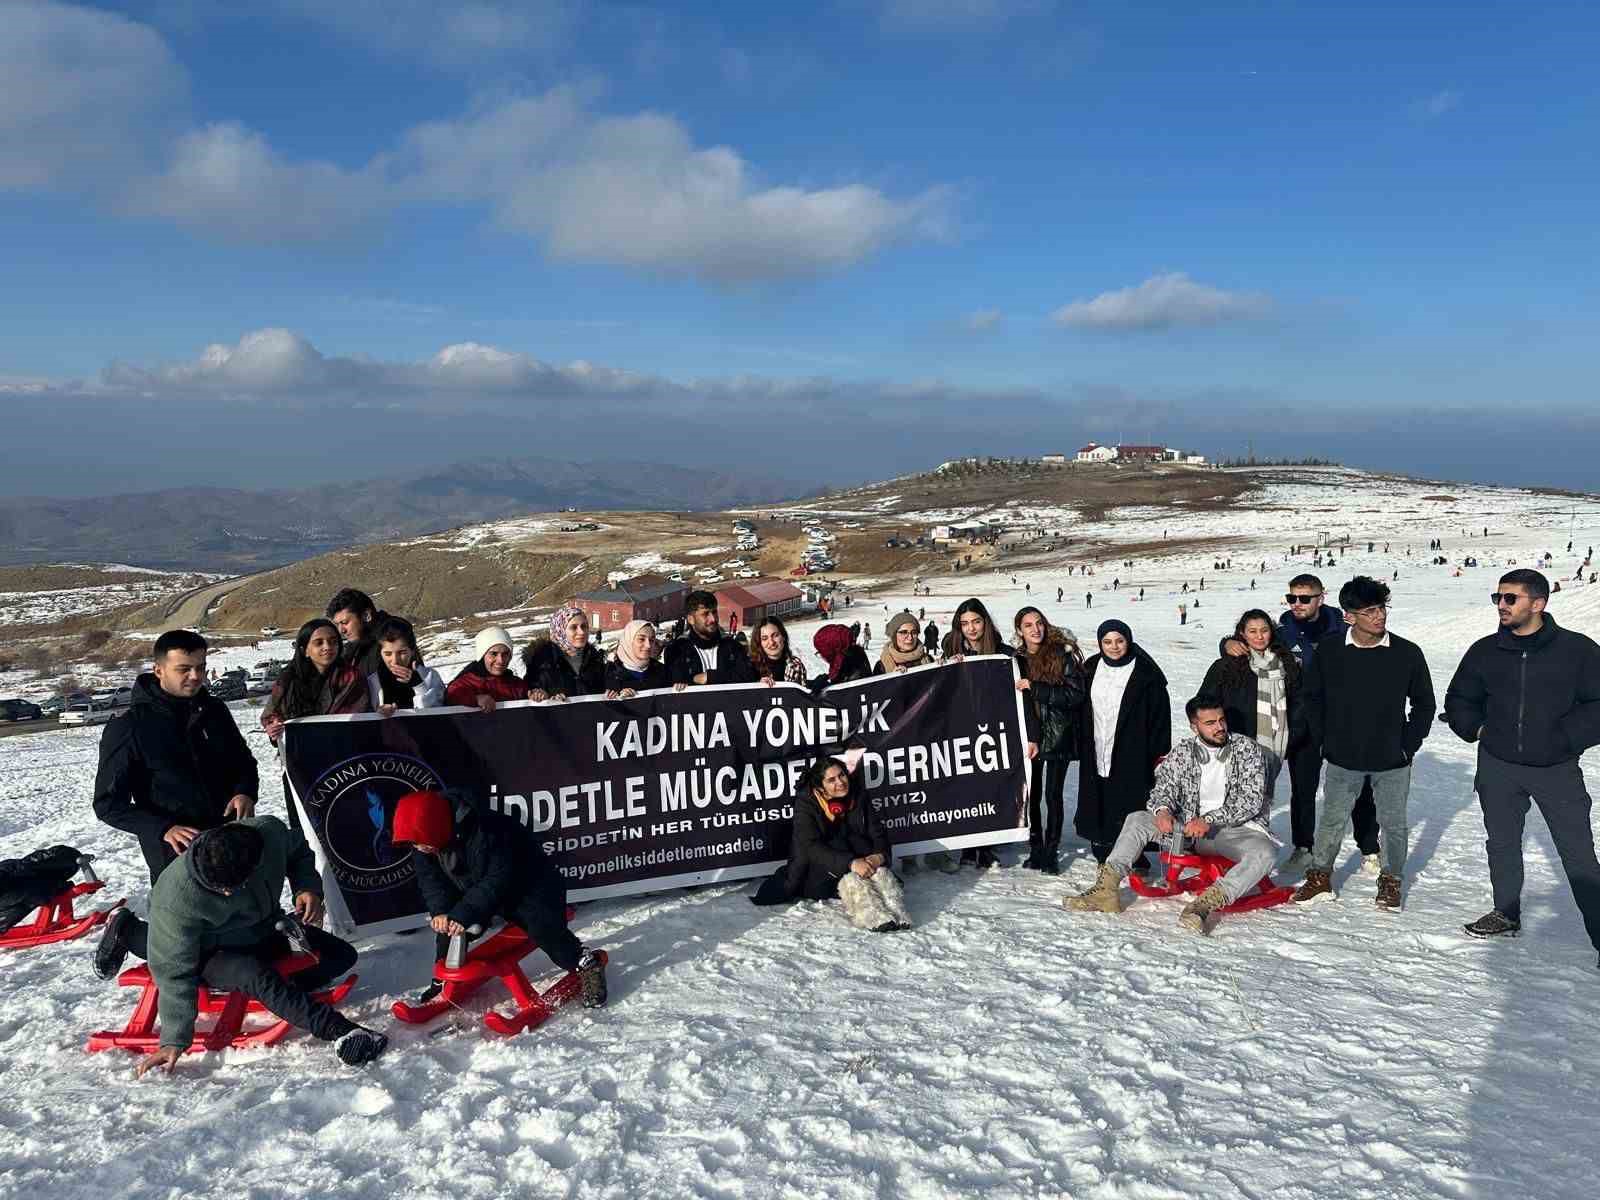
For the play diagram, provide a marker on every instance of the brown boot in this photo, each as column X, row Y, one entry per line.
column 1104, row 895
column 1196, row 915
column 1318, row 886
column 1388, row 892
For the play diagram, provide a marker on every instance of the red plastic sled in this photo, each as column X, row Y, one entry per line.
column 56, row 922
column 1207, row 869
column 230, row 1009
column 499, row 957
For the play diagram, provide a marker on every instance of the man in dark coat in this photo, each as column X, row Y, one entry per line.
column 1369, row 702
column 1305, row 623
column 704, row 654
column 358, row 619
column 175, row 763
column 473, row 864
column 214, row 921
column 1529, row 695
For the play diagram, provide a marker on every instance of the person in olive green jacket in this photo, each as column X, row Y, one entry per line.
column 213, row 921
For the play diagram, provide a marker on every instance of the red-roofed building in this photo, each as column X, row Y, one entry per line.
column 643, row 598
column 1094, row 452
column 1141, row 453
column 744, row 606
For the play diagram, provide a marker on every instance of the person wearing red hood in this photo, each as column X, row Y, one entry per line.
column 474, row 864
column 846, row 661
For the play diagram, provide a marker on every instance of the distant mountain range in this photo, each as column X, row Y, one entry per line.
column 222, row 529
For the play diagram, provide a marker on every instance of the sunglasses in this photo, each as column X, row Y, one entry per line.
column 1507, row 598
column 1305, row 598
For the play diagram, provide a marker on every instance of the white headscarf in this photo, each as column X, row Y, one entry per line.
column 625, row 654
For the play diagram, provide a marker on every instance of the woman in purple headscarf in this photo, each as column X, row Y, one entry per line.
column 566, row 663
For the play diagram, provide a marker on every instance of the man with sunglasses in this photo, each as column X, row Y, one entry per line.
column 1529, row 695
column 1306, row 623
column 1369, row 701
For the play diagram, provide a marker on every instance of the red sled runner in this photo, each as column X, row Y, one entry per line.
column 56, row 921
column 229, row 1008
column 499, row 957
column 1207, row 869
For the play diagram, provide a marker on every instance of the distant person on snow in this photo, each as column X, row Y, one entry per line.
column 1211, row 789
column 635, row 665
column 839, row 847
column 487, row 680
column 930, row 638
column 1357, row 692
column 704, row 654
column 1305, row 623
column 473, row 865
column 213, row 921
column 1529, row 696
column 567, row 663
column 357, row 619
column 174, row 764
column 402, row 680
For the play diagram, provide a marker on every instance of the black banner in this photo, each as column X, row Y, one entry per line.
column 668, row 789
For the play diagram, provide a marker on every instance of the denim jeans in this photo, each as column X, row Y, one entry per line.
column 1340, row 787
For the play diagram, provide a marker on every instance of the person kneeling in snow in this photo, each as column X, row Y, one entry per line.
column 474, row 864
column 214, row 919
column 839, row 848
column 1213, row 787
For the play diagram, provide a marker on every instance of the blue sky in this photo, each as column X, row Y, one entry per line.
column 940, row 225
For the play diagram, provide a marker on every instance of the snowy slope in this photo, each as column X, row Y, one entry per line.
column 1003, row 1047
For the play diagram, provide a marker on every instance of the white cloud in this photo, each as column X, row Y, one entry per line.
column 1161, row 302
column 1431, row 108
column 956, row 16
column 86, row 94
column 227, row 180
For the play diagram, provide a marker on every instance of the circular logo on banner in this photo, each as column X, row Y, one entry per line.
column 356, row 799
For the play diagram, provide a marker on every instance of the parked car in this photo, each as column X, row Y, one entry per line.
column 747, row 573
column 122, row 697
column 270, row 631
column 86, row 712
column 20, row 710
column 51, row 706
column 232, row 686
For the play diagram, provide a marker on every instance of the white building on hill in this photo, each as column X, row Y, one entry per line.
column 1094, row 452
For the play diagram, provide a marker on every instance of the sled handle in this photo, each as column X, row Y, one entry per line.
column 86, row 870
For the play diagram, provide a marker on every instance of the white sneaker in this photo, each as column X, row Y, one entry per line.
column 1372, row 865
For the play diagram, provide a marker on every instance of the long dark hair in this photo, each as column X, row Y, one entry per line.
column 300, row 683
column 1237, row 666
column 956, row 642
column 758, row 656
column 1055, row 657
column 811, row 780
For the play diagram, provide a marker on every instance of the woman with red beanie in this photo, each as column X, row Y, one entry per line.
column 473, row 864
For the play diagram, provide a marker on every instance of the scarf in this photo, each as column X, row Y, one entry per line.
column 558, row 628
column 1272, row 702
column 833, row 809
column 395, row 691
column 625, row 654
column 894, row 660
column 831, row 642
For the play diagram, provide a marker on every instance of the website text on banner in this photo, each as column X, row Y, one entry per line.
column 668, row 789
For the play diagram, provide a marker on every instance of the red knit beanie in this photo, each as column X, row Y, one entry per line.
column 424, row 818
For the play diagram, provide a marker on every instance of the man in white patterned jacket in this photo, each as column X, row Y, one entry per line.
column 1213, row 787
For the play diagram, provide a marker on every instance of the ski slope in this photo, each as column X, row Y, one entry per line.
column 1003, row 1047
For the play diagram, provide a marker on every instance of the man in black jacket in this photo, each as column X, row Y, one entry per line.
column 358, row 619
column 1305, row 623
column 704, row 654
column 474, row 864
column 175, row 763
column 1356, row 694
column 1529, row 695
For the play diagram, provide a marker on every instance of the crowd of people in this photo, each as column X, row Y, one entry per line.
column 1330, row 692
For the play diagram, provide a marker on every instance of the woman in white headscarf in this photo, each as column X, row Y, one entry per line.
column 636, row 665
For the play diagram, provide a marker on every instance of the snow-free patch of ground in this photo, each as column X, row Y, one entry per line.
column 1001, row 1048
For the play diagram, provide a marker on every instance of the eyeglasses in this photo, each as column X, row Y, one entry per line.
column 1298, row 598
column 1372, row 610
column 1509, row 599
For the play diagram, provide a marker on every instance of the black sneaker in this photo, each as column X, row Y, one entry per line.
column 1494, row 924
column 360, row 1046
column 428, row 994
column 111, row 950
column 592, row 975
column 1050, row 862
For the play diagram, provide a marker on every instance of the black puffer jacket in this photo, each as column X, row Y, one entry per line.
column 619, row 678
column 546, row 668
column 1055, row 707
column 1536, row 698
column 169, row 761
column 28, row 882
column 733, row 660
column 821, row 850
column 1232, row 681
column 492, row 867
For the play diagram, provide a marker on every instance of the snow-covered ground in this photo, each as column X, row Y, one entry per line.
column 21, row 608
column 1003, row 1047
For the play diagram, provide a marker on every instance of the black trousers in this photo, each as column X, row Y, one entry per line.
column 543, row 918
column 248, row 969
column 1047, row 792
column 1504, row 792
column 1305, row 772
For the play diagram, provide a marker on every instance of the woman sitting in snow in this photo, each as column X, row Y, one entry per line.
column 839, row 848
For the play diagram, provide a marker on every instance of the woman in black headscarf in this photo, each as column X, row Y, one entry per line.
column 1125, row 730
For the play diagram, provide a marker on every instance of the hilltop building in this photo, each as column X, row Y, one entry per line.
column 746, row 605
column 642, row 598
column 1095, row 452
